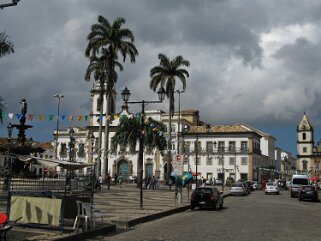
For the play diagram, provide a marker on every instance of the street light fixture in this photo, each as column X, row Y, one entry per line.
column 13, row 3
column 179, row 118
column 125, row 95
column 57, row 128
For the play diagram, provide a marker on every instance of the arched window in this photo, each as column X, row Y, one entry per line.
column 305, row 165
column 304, row 136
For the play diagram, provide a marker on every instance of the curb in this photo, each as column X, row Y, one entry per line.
column 109, row 228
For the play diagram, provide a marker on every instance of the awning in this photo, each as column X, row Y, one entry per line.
column 54, row 162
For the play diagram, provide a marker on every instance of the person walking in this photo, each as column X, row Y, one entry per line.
column 100, row 179
column 108, row 180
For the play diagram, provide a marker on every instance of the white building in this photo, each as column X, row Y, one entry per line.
column 237, row 151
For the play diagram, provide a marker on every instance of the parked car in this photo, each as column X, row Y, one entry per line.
column 256, row 185
column 238, row 189
column 297, row 182
column 247, row 186
column 207, row 196
column 272, row 188
column 308, row 192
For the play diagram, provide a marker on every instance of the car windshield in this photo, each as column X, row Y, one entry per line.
column 308, row 188
column 203, row 190
column 300, row 181
column 237, row 185
column 270, row 184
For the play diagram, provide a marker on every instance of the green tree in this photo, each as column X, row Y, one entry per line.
column 2, row 109
column 166, row 74
column 108, row 40
column 6, row 45
column 97, row 68
column 130, row 130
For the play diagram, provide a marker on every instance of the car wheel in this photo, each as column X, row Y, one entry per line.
column 192, row 207
column 300, row 198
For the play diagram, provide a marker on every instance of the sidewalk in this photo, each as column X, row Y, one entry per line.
column 121, row 208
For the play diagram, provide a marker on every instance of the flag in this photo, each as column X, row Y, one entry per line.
column 186, row 178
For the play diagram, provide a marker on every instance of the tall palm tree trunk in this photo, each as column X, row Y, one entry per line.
column 107, row 121
column 101, row 103
column 169, row 142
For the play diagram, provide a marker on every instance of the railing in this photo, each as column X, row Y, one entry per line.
column 218, row 151
column 79, row 183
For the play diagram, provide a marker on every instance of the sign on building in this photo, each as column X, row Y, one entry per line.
column 178, row 165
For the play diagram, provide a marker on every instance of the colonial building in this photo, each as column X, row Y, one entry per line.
column 309, row 156
column 218, row 151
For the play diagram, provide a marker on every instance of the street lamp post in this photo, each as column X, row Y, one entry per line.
column 57, row 127
column 9, row 163
column 179, row 118
column 125, row 95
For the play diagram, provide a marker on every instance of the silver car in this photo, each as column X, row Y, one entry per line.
column 238, row 189
column 272, row 188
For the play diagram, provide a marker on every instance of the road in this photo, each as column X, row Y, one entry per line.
column 254, row 217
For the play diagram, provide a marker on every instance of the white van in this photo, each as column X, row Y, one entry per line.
column 297, row 182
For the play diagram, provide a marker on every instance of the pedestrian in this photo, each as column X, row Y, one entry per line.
column 108, row 179
column 100, row 185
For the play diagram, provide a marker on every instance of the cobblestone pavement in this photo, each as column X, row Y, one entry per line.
column 251, row 218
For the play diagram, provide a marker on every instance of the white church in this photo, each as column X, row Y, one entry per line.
column 214, row 151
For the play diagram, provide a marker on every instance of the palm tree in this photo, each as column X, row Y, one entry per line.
column 6, row 46
column 97, row 68
column 130, row 130
column 2, row 109
column 165, row 74
column 109, row 40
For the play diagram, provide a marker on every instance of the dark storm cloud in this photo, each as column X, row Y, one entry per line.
column 236, row 73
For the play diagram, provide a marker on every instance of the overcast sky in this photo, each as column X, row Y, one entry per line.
column 256, row 62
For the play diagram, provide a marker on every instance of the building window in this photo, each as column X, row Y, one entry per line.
column 305, row 165
column 209, row 147
column 304, row 136
column 98, row 103
column 317, row 166
column 231, row 146
column 197, row 145
column 243, row 146
column 63, row 150
column 221, row 160
column 221, row 146
column 81, row 150
column 173, row 128
column 209, row 161
column 232, row 160
column 186, row 147
column 244, row 161
column 304, row 149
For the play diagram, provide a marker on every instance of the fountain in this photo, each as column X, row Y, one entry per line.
column 22, row 126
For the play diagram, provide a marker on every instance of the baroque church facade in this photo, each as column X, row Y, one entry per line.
column 212, row 151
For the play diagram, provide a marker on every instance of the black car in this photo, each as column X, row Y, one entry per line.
column 207, row 196
column 308, row 192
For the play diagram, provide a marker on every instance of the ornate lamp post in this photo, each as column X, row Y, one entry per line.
column 125, row 95
column 57, row 127
column 179, row 118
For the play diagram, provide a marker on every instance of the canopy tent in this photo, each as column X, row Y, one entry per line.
column 54, row 163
